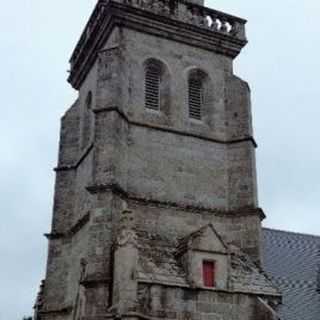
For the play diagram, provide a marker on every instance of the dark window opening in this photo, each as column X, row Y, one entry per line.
column 152, row 86
column 87, row 121
column 89, row 100
column 195, row 98
column 209, row 273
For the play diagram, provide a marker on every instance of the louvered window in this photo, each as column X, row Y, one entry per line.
column 152, row 86
column 195, row 97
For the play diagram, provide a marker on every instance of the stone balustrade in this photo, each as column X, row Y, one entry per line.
column 213, row 20
column 180, row 10
column 200, row 16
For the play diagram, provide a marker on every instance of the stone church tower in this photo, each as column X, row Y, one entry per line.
column 155, row 210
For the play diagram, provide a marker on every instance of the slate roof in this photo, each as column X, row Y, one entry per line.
column 158, row 262
column 246, row 276
column 292, row 261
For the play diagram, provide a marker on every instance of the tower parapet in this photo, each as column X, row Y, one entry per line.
column 177, row 19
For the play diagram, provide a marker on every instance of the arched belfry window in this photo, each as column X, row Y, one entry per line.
column 196, row 94
column 153, row 78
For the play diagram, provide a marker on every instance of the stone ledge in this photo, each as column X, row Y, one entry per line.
column 72, row 231
column 94, row 283
column 87, row 151
column 118, row 190
column 54, row 235
column 126, row 315
column 172, row 130
column 75, row 166
column 63, row 310
column 206, row 289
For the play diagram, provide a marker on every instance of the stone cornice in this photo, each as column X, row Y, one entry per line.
column 94, row 283
column 119, row 191
column 231, row 292
column 129, row 315
column 54, row 235
column 173, row 130
column 178, row 20
column 58, row 311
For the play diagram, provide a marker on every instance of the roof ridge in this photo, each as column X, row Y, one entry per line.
column 292, row 232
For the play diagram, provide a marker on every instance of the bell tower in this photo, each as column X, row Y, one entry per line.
column 155, row 211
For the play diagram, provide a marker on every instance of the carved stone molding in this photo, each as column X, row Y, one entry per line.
column 126, row 233
column 127, row 237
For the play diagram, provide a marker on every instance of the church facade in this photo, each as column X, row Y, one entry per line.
column 155, row 211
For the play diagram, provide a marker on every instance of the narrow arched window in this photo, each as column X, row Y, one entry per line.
column 89, row 100
column 87, row 119
column 196, row 94
column 153, row 72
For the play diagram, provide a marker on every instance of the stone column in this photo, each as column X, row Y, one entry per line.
column 125, row 266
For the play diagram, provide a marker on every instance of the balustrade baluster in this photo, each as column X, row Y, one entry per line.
column 166, row 4
column 214, row 25
column 202, row 19
column 224, row 26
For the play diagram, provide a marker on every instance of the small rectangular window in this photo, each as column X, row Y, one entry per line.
column 208, row 273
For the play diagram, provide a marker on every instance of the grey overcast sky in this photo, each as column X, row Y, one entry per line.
column 281, row 63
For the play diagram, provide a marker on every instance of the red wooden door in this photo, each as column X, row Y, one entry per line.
column 208, row 273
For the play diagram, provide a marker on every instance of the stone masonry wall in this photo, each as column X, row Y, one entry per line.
column 158, row 144
column 179, row 303
column 178, row 59
column 172, row 224
column 164, row 157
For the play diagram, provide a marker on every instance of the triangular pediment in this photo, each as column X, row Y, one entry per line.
column 206, row 239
